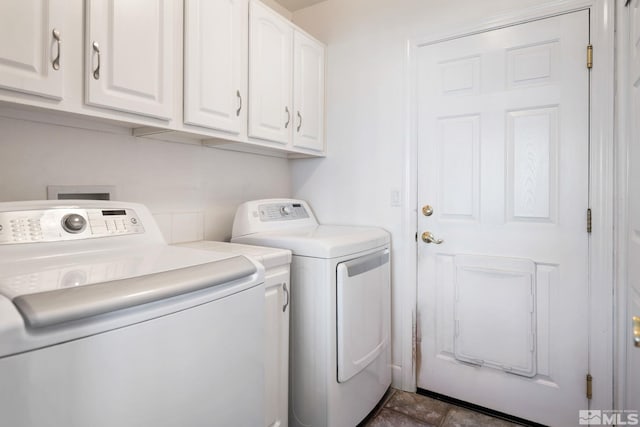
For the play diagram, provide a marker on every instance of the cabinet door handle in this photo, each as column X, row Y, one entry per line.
column 56, row 61
column 240, row 99
column 96, row 71
column 286, row 294
column 286, row 110
column 300, row 123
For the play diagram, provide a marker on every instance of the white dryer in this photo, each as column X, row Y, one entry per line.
column 340, row 363
column 103, row 324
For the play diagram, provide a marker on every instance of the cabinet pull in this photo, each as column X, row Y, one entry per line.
column 240, row 99
column 286, row 110
column 56, row 61
column 286, row 293
column 300, row 123
column 96, row 72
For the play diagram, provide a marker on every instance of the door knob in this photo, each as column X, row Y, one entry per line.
column 428, row 237
column 427, row 210
column 636, row 331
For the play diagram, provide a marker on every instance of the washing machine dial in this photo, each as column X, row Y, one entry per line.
column 74, row 223
column 286, row 210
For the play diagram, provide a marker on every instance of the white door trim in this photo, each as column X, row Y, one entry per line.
column 623, row 135
column 601, row 187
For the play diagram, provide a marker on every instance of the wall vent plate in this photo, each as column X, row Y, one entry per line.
column 81, row 192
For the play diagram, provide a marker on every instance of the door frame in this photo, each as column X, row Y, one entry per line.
column 601, row 192
column 622, row 135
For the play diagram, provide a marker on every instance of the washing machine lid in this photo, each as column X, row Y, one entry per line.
column 321, row 241
column 56, row 290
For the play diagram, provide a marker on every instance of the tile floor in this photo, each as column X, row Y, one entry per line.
column 402, row 409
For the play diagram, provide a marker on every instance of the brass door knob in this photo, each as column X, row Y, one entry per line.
column 428, row 237
column 427, row 210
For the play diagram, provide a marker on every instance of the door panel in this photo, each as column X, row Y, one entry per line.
column 362, row 298
column 482, row 284
column 308, row 78
column 633, row 279
column 29, row 49
column 276, row 367
column 130, row 44
column 271, row 115
column 216, row 64
column 503, row 149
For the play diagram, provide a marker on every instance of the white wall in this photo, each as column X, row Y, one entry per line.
column 366, row 114
column 193, row 190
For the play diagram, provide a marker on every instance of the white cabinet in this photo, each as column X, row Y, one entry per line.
column 215, row 68
column 286, row 82
column 32, row 58
column 252, row 80
column 276, row 363
column 276, row 366
column 308, row 92
column 270, row 68
column 129, row 56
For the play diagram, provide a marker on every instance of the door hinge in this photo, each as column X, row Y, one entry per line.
column 589, row 386
column 589, row 56
column 589, row 220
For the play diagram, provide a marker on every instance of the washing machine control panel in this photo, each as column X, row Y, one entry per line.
column 282, row 212
column 60, row 224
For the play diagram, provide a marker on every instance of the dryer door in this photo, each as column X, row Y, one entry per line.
column 363, row 311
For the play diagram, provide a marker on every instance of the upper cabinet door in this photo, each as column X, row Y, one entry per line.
column 32, row 58
column 216, row 64
column 129, row 56
column 271, row 113
column 308, row 93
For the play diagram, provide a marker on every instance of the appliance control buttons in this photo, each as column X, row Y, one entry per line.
column 62, row 224
column 74, row 223
column 282, row 212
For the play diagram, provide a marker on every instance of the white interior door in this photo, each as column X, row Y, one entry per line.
column 503, row 151
column 633, row 279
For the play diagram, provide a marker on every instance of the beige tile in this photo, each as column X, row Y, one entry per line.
column 389, row 418
column 420, row 407
column 459, row 417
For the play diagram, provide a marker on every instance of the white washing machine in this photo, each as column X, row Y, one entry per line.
column 340, row 363
column 103, row 324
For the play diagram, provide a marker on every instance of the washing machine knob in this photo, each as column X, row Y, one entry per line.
column 74, row 223
column 286, row 210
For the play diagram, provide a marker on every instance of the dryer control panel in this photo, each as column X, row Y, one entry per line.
column 258, row 216
column 61, row 224
column 282, row 211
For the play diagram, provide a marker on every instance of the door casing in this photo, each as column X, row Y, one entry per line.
column 624, row 135
column 602, row 180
